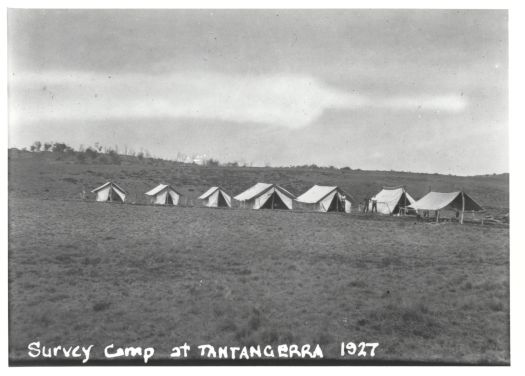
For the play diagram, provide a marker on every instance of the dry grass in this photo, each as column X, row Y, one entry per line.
column 41, row 175
column 89, row 273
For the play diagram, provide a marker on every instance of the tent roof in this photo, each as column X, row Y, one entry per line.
column 106, row 184
column 392, row 195
column 258, row 189
column 439, row 200
column 159, row 188
column 318, row 192
column 208, row 193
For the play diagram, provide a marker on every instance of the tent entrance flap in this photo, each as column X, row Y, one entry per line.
column 115, row 196
column 222, row 202
column 403, row 204
column 336, row 205
column 274, row 202
column 400, row 204
column 464, row 203
column 175, row 197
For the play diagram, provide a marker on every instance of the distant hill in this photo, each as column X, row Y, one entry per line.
column 52, row 175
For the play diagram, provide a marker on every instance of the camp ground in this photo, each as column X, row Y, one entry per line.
column 391, row 200
column 111, row 192
column 164, row 194
column 320, row 198
column 326, row 199
column 265, row 196
column 459, row 202
column 216, row 197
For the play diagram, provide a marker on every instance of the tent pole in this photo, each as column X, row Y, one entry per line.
column 462, row 206
column 273, row 198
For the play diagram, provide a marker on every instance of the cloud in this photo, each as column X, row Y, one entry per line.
column 286, row 100
column 445, row 103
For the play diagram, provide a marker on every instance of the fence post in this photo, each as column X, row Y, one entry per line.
column 462, row 206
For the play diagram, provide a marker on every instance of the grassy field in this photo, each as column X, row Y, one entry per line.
column 95, row 273
column 42, row 175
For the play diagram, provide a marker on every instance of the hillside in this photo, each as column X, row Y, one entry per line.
column 51, row 175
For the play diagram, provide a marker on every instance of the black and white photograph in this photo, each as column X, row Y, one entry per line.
column 273, row 187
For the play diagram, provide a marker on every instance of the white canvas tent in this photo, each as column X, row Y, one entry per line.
column 392, row 200
column 326, row 199
column 110, row 192
column 216, row 197
column 164, row 194
column 266, row 196
column 458, row 201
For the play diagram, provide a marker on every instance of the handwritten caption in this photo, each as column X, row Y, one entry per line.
column 205, row 351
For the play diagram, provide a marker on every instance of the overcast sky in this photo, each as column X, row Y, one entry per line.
column 404, row 90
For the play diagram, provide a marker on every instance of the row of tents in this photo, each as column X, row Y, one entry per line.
column 390, row 200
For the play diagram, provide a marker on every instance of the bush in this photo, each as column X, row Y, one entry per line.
column 114, row 157
column 90, row 153
column 36, row 146
column 59, row 147
column 69, row 151
column 212, row 162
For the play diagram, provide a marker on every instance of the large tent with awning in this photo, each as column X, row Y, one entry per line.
column 110, row 192
column 392, row 200
column 164, row 194
column 458, row 201
column 265, row 196
column 326, row 199
column 216, row 197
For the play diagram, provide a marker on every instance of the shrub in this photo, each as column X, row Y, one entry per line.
column 69, row 151
column 90, row 153
column 212, row 162
column 114, row 157
column 59, row 147
column 36, row 146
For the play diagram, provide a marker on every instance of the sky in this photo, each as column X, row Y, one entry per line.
column 405, row 90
